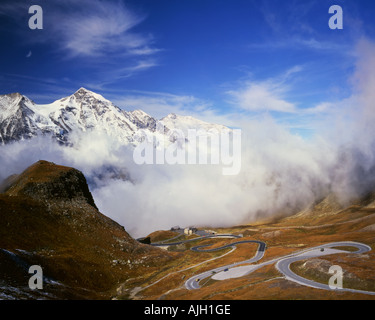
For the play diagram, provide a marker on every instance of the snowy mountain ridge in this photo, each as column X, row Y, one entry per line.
column 21, row 118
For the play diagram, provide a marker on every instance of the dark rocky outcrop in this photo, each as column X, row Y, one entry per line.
column 49, row 218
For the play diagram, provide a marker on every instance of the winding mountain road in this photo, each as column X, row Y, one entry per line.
column 283, row 264
column 242, row 268
column 193, row 282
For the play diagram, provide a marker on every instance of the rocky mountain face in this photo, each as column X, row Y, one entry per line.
column 21, row 118
column 17, row 119
column 49, row 218
column 44, row 181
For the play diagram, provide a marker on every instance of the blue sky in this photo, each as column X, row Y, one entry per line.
column 215, row 59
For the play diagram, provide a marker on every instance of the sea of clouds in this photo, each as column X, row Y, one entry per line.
column 281, row 172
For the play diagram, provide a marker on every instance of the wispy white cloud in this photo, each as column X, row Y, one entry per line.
column 144, row 51
column 297, row 42
column 293, row 17
column 160, row 104
column 294, row 26
column 266, row 95
column 351, row 117
column 112, row 75
column 98, row 35
column 261, row 97
column 95, row 28
column 139, row 66
column 90, row 29
column 322, row 107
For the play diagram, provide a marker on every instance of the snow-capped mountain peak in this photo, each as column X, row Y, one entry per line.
column 85, row 94
column 10, row 104
column 141, row 119
column 84, row 110
column 184, row 123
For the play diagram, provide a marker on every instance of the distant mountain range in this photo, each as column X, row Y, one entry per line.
column 21, row 118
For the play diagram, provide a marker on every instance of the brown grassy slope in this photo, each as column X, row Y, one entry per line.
column 49, row 212
column 322, row 224
column 162, row 235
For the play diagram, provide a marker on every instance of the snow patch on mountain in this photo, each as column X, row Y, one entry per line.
column 184, row 123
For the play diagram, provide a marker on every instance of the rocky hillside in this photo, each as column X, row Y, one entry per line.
column 330, row 209
column 47, row 181
column 49, row 218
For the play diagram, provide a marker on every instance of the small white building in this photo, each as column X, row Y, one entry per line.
column 190, row 230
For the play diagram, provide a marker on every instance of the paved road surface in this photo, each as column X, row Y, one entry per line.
column 234, row 270
column 283, row 264
column 193, row 282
